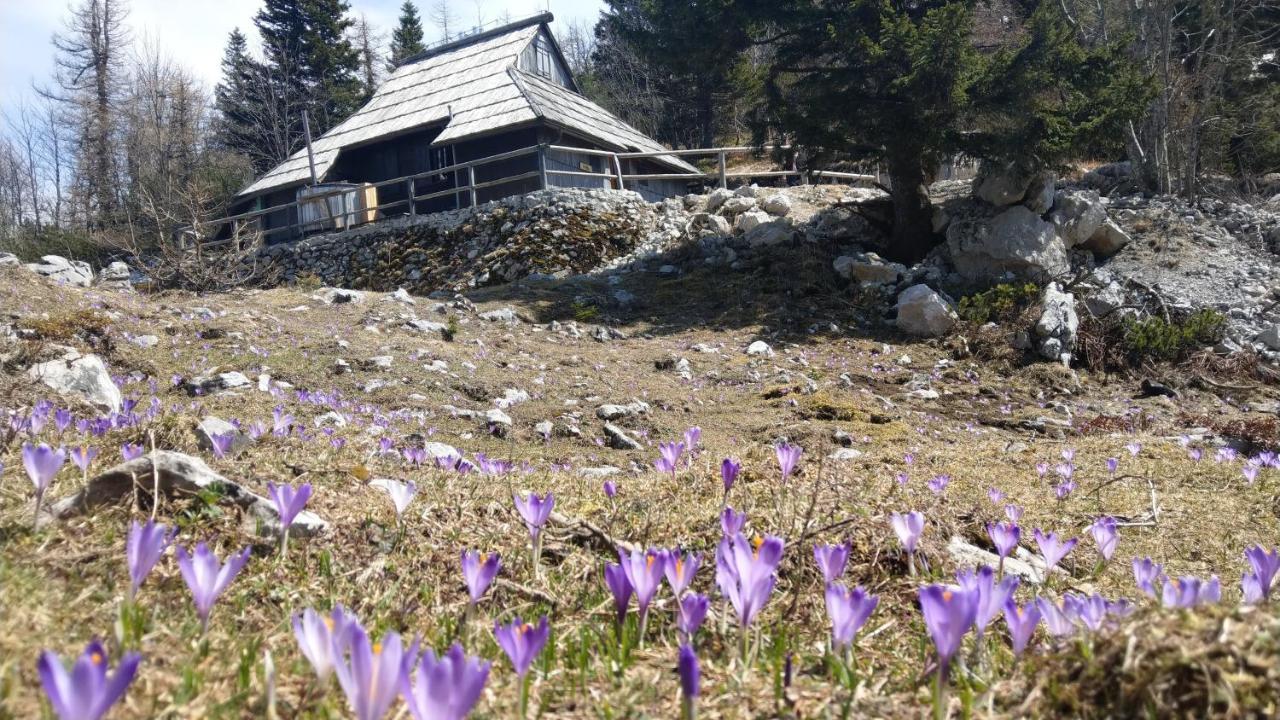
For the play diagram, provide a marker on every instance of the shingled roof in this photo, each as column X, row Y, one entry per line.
column 473, row 86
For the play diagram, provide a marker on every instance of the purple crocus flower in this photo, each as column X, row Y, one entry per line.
column 522, row 642
column 831, row 560
column 731, row 523
column 445, row 687
column 131, row 451
column 788, row 456
column 82, row 457
column 908, row 527
column 42, row 464
column 1134, row 448
column 207, row 577
column 616, row 578
column 1148, row 575
column 1013, row 512
column 1053, row 548
column 746, row 574
column 1005, row 536
column 644, row 571
column 1189, row 591
column 87, row 692
column 729, row 470
column 938, row 483
column 848, row 611
column 1056, row 621
column 692, row 611
column 1104, row 535
column 143, row 549
column 62, row 419
column 995, row 495
column 222, row 443
column 478, row 571
column 401, row 494
column 690, row 682
column 991, row 595
column 610, row 489
column 669, row 461
column 288, row 503
column 692, row 437
column 680, row 570
column 321, row 639
column 1265, row 566
column 1113, row 464
column 370, row 673
column 1022, row 622
column 535, row 510
column 949, row 611
column 1090, row 611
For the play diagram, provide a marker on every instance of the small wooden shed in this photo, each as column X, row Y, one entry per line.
column 475, row 97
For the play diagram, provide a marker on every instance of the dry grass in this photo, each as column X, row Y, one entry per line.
column 63, row 585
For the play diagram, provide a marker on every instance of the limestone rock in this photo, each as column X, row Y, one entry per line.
column 1107, row 240
column 774, row 232
column 716, row 198
column 760, row 348
column 62, row 270
column 1077, row 215
column 619, row 439
column 181, row 475
column 924, row 313
column 116, row 275
column 777, row 205
column 1040, row 193
column 868, row 269
column 748, row 221
column 1016, row 241
column 221, row 382
column 339, row 296
column 85, row 376
column 1000, row 185
column 617, row 412
column 1058, row 323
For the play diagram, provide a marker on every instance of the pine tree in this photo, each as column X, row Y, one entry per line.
column 406, row 41
column 331, row 63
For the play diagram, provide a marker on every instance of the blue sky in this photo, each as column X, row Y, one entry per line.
column 194, row 32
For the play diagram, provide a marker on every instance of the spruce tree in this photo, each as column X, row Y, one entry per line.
column 236, row 98
column 406, row 40
column 331, row 63
column 908, row 85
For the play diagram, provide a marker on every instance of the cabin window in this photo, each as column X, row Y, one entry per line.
column 544, row 57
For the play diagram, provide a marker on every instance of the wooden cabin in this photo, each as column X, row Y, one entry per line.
column 474, row 97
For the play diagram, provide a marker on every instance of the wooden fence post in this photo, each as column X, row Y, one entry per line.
column 413, row 209
column 542, row 167
column 617, row 169
column 724, row 173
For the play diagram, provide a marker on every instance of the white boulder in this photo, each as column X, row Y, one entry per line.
column 924, row 313
column 85, row 376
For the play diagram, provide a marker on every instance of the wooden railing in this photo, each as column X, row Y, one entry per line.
column 465, row 186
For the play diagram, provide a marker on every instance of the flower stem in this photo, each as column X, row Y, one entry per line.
column 284, row 544
column 524, row 696
column 940, row 695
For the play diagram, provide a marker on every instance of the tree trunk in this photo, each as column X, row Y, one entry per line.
column 912, row 211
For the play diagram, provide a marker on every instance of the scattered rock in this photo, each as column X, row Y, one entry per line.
column 1023, row 564
column 868, row 269
column 1077, row 215
column 760, row 348
column 116, row 276
column 221, row 382
column 619, row 439
column 1107, row 240
column 617, row 412
column 506, row 315
column 777, row 205
column 1000, row 184
column 338, row 296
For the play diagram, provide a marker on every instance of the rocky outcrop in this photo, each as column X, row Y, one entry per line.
column 1077, row 215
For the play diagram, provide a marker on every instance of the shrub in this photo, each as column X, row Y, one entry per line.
column 1001, row 303
column 307, row 282
column 585, row 312
column 1155, row 338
